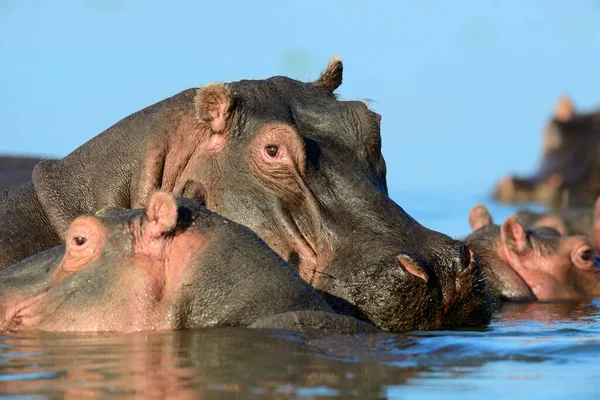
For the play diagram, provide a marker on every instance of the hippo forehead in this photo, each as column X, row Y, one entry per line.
column 314, row 110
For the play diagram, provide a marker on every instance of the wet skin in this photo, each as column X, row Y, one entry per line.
column 291, row 162
column 172, row 266
column 535, row 264
column 569, row 171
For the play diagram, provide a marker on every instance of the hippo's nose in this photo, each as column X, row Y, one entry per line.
column 467, row 259
column 412, row 266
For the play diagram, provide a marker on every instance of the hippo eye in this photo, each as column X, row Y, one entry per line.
column 587, row 255
column 272, row 151
column 79, row 240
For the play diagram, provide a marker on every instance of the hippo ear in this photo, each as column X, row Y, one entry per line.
column 213, row 103
column 554, row 180
column 161, row 215
column 331, row 78
column 514, row 235
column 479, row 216
column 564, row 110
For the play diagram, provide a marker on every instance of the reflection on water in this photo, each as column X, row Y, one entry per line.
column 528, row 350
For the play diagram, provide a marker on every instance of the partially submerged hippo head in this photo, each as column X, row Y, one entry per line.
column 535, row 264
column 304, row 171
column 300, row 168
column 174, row 265
column 570, row 165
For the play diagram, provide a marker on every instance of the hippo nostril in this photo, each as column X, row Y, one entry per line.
column 467, row 258
column 412, row 267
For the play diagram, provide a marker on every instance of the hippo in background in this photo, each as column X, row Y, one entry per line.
column 290, row 161
column 569, row 170
column 535, row 264
column 567, row 221
column 15, row 170
column 174, row 265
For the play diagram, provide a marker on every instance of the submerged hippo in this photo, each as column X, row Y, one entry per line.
column 569, row 221
column 569, row 171
column 172, row 266
column 291, row 162
column 536, row 264
column 15, row 170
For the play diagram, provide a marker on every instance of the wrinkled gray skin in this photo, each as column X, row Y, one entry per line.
column 15, row 170
column 569, row 171
column 291, row 162
column 201, row 271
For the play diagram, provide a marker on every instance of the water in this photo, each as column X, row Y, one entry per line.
column 547, row 351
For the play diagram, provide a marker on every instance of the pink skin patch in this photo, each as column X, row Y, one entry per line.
column 172, row 158
column 479, row 217
column 567, row 273
column 142, row 287
column 84, row 242
column 412, row 267
column 277, row 157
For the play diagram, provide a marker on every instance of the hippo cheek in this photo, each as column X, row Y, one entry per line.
column 183, row 268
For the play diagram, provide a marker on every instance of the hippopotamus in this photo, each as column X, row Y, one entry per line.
column 567, row 221
column 174, row 265
column 15, row 170
column 569, row 171
column 534, row 264
column 290, row 161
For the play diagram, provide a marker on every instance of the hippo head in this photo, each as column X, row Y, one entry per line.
column 568, row 171
column 534, row 264
column 171, row 266
column 304, row 171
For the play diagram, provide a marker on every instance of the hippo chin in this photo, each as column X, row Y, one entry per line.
column 568, row 174
column 290, row 161
column 172, row 266
column 534, row 264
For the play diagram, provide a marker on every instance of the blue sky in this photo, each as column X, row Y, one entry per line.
column 464, row 87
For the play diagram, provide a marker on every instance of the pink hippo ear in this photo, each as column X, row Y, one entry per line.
column 555, row 180
column 479, row 216
column 213, row 104
column 161, row 214
column 564, row 110
column 514, row 236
